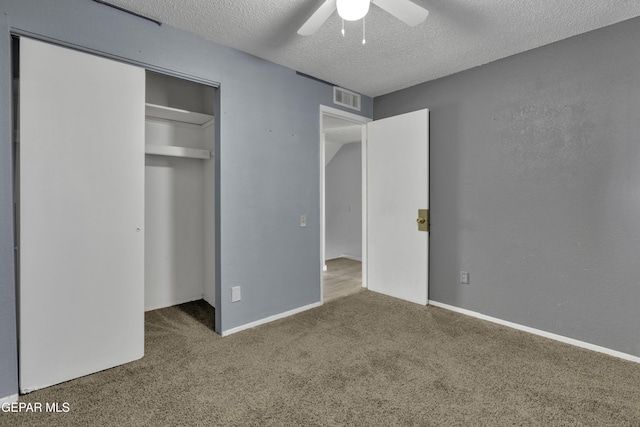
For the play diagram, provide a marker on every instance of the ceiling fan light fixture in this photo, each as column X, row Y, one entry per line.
column 352, row 10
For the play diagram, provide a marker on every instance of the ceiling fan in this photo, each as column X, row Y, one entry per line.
column 352, row 10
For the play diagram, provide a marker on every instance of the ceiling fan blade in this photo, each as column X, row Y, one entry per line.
column 318, row 18
column 405, row 10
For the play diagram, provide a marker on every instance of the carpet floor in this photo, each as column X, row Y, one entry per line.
column 363, row 360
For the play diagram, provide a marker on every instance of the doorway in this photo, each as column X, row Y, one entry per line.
column 342, row 202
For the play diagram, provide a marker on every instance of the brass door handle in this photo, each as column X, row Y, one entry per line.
column 423, row 220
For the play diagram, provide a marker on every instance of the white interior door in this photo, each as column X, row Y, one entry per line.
column 397, row 186
column 81, row 290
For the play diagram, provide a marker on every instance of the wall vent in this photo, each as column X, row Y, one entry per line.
column 346, row 98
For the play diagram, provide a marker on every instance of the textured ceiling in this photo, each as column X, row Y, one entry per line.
column 457, row 35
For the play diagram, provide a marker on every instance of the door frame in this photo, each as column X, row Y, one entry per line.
column 358, row 120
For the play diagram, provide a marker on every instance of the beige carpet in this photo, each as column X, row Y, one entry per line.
column 363, row 360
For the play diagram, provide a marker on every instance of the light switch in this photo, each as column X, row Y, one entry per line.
column 235, row 294
column 303, row 220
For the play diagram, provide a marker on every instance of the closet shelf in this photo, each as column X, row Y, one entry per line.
column 175, row 151
column 177, row 115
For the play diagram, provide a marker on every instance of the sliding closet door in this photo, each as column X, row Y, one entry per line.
column 81, row 290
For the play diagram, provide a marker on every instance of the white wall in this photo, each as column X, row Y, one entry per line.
column 330, row 149
column 343, row 203
column 174, row 218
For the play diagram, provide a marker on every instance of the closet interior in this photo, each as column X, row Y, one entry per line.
column 179, row 192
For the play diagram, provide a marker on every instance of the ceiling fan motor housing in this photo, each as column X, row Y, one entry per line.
column 352, row 10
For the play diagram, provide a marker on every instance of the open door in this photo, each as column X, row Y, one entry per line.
column 81, row 242
column 397, row 188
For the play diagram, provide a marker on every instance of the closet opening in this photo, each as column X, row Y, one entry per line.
column 179, row 196
column 115, row 196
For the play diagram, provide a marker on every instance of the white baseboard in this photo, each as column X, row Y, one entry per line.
column 270, row 319
column 539, row 332
column 9, row 399
column 351, row 257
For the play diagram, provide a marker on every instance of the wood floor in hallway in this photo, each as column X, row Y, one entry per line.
column 343, row 277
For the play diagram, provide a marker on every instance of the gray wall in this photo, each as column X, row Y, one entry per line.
column 343, row 203
column 268, row 149
column 535, row 186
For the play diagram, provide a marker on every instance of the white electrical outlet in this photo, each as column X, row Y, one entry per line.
column 303, row 220
column 464, row 277
column 235, row 294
